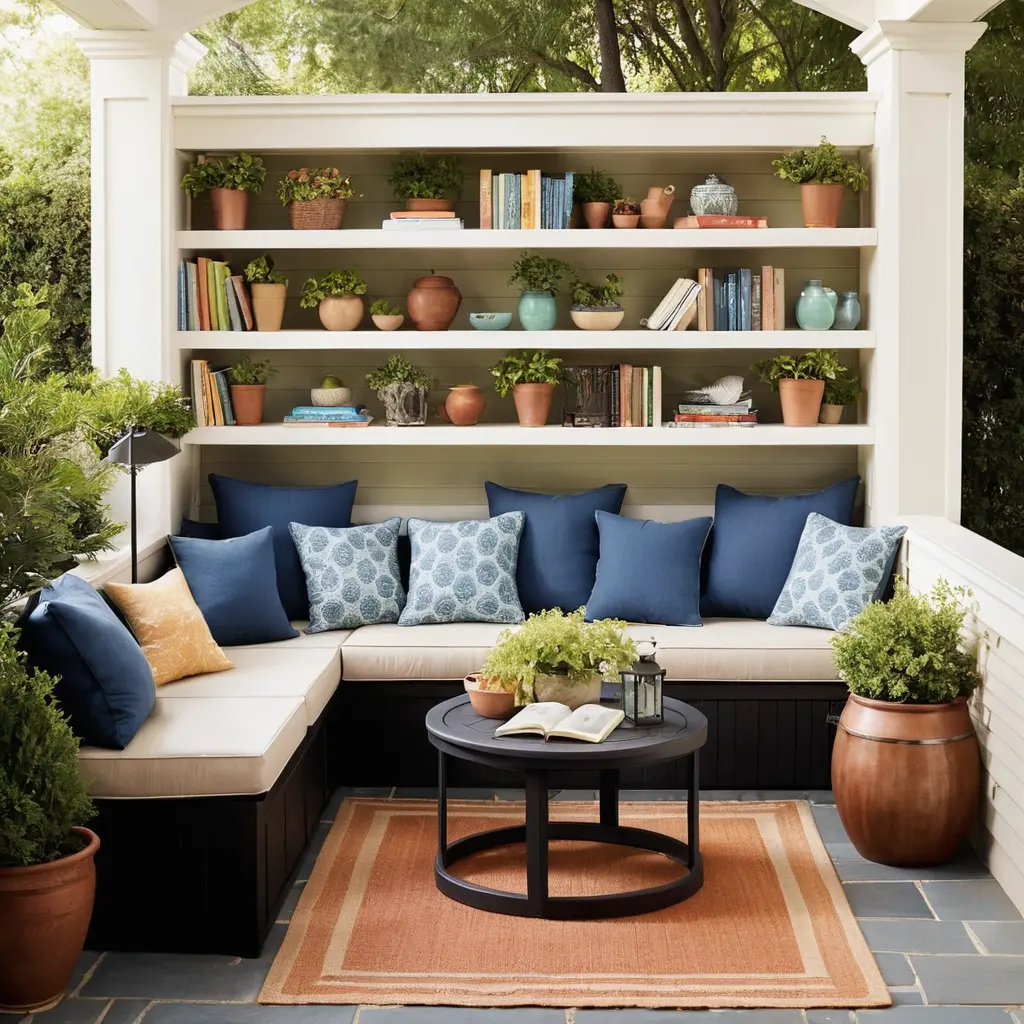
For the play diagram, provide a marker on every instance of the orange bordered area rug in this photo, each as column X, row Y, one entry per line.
column 771, row 926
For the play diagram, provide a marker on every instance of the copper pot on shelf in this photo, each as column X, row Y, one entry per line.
column 433, row 303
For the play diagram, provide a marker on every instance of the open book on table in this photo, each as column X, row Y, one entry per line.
column 591, row 722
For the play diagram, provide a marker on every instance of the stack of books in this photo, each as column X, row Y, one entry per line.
column 615, row 396
column 739, row 414
column 211, row 298
column 741, row 299
column 419, row 220
column 211, row 396
column 674, row 311
column 528, row 200
column 328, row 416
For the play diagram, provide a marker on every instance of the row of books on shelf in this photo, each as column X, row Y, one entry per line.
column 528, row 200
column 211, row 298
column 620, row 395
column 211, row 395
column 741, row 299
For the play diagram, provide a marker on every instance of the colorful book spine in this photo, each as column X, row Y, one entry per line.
column 567, row 208
column 211, row 295
column 755, row 302
column 745, row 288
column 485, row 199
column 203, row 285
column 182, row 296
column 222, row 272
column 779, row 289
column 242, row 297
column 220, row 380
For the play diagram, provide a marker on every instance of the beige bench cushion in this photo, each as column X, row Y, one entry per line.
column 317, row 641
column 201, row 746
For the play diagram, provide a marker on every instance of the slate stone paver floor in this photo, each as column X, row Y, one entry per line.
column 948, row 941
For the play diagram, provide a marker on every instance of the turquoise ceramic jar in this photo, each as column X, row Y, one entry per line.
column 847, row 313
column 815, row 310
column 537, row 311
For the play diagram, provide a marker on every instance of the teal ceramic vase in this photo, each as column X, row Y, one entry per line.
column 847, row 313
column 537, row 311
column 814, row 308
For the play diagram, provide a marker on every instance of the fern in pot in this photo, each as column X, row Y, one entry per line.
column 403, row 388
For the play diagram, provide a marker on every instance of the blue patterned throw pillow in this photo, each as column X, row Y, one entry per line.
column 464, row 572
column 352, row 575
column 837, row 572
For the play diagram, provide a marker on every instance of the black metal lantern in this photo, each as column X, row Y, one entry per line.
column 642, row 688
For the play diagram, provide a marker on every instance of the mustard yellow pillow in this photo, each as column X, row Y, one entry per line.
column 170, row 627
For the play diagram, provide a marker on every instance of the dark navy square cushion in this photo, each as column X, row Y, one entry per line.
column 194, row 528
column 559, row 545
column 753, row 544
column 244, row 507
column 106, row 685
column 234, row 583
column 648, row 571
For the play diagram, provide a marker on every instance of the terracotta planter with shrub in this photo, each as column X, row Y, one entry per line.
column 323, row 214
column 268, row 305
column 341, row 312
column 533, row 403
column 230, row 208
column 489, row 703
column 44, row 916
column 596, row 214
column 247, row 400
column 801, row 401
column 625, row 220
column 821, row 204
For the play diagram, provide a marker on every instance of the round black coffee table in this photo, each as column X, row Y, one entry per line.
column 458, row 731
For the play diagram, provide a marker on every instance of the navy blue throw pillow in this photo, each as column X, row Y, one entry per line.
column 648, row 571
column 559, row 545
column 106, row 685
column 753, row 544
column 194, row 528
column 244, row 507
column 234, row 583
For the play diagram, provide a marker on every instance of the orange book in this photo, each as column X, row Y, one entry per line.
column 525, row 200
column 626, row 384
column 536, row 191
column 717, row 221
column 203, row 264
column 217, row 419
column 486, row 209
column 423, row 215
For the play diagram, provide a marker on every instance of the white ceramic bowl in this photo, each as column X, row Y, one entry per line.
column 331, row 396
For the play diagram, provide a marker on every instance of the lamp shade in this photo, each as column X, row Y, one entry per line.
column 141, row 448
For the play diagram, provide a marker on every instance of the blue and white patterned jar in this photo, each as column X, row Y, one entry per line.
column 848, row 313
column 714, row 198
column 814, row 309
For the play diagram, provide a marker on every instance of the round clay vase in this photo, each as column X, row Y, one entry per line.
column 533, row 403
column 801, row 401
column 230, row 208
column 341, row 312
column 464, row 405
column 822, row 204
column 597, row 319
column 430, row 205
column 489, row 703
column 268, row 305
column 625, row 220
column 654, row 209
column 247, row 402
column 906, row 778
column 596, row 214
column 45, row 910
column 537, row 311
column 433, row 302
column 561, row 690
column 387, row 323
column 830, row 413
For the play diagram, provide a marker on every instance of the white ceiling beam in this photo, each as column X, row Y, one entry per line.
column 857, row 14
column 189, row 14
column 114, row 15
column 963, row 11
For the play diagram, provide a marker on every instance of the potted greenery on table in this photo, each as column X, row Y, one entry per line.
column 229, row 181
column 800, row 382
column 596, row 307
column 316, row 197
column 905, row 767
column 386, row 315
column 531, row 377
column 824, row 175
column 559, row 657
column 539, row 278
column 403, row 388
column 427, row 184
column 595, row 191
column 336, row 297
column 269, row 292
column 839, row 393
column 248, row 381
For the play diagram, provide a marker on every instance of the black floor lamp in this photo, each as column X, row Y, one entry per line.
column 138, row 448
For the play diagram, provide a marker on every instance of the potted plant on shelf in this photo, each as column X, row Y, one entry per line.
column 403, row 388
column 386, row 315
column 336, row 298
column 248, row 380
column 595, row 191
column 531, row 377
column 839, row 393
column 316, row 197
column 596, row 307
column 559, row 657
column 905, row 767
column 625, row 213
column 427, row 184
column 823, row 174
column 800, row 382
column 269, row 291
column 539, row 278
column 47, row 873
column 229, row 181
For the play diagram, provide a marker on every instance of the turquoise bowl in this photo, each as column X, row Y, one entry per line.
column 490, row 321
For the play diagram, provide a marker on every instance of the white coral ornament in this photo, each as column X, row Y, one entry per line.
column 724, row 391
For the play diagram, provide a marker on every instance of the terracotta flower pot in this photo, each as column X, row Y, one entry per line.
column 247, row 401
column 45, row 910
column 596, row 214
column 341, row 312
column 654, row 209
column 489, row 703
column 906, row 778
column 429, row 205
column 387, row 323
column 597, row 319
column 464, row 405
column 830, row 413
column 821, row 205
column 322, row 214
column 268, row 305
column 433, row 302
column 533, row 403
column 230, row 207
column 625, row 220
column 801, row 401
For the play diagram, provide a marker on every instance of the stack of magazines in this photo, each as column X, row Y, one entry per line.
column 328, row 416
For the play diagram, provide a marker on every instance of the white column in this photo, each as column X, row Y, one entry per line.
column 914, row 279
column 136, row 207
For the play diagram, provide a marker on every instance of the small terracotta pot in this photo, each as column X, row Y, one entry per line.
column 801, row 401
column 625, row 220
column 464, row 405
column 387, row 323
column 821, row 205
column 247, row 401
column 596, row 214
column 433, row 301
column 323, row 214
column 45, row 910
column 230, row 207
column 597, row 319
column 830, row 413
column 489, row 703
column 429, row 205
column 341, row 312
column 533, row 403
column 268, row 305
column 654, row 209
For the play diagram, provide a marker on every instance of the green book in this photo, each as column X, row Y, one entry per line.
column 211, row 291
column 223, row 272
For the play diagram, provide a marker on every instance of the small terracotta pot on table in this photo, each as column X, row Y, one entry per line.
column 533, row 403
column 268, row 305
column 247, row 402
column 596, row 214
column 822, row 204
column 801, row 401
